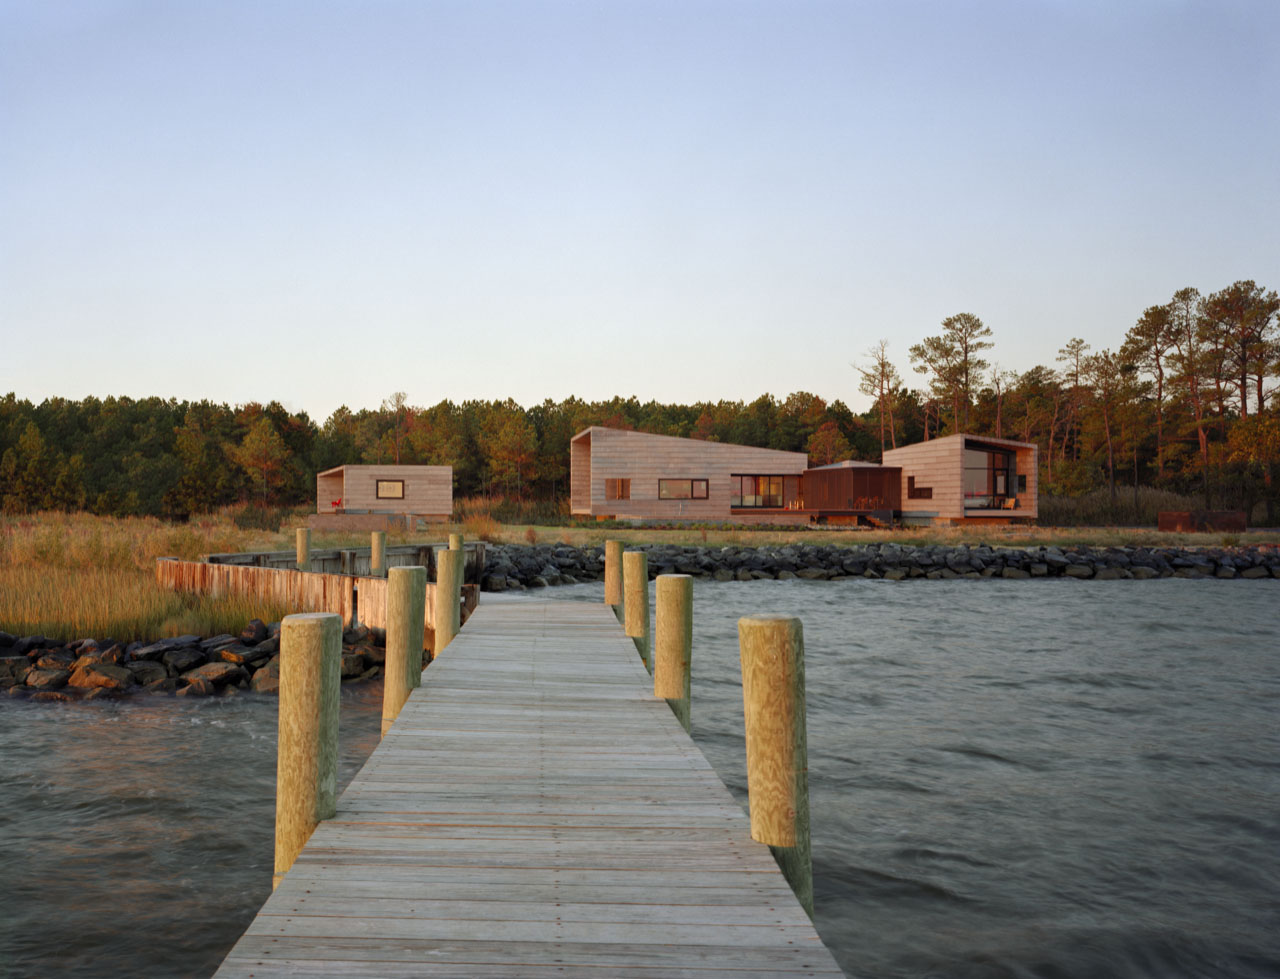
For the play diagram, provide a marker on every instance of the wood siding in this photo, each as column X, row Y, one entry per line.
column 355, row 599
column 853, row 488
column 644, row 459
column 428, row 490
column 939, row 465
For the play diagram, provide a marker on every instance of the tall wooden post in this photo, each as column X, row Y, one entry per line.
column 307, row 752
column 406, row 618
column 773, row 704
column 448, row 598
column 635, row 587
column 613, row 573
column 378, row 554
column 302, row 541
column 673, row 642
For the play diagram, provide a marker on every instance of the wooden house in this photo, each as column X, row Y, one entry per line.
column 955, row 479
column 382, row 497
column 967, row 479
column 614, row 473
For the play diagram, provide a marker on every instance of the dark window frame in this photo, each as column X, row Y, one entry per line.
column 379, row 483
column 770, row 499
column 691, row 483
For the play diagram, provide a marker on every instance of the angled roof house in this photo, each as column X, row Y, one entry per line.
column 617, row 473
column 955, row 479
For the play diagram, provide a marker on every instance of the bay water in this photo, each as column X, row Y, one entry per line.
column 1008, row 778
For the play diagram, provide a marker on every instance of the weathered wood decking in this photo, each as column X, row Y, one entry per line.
column 534, row 811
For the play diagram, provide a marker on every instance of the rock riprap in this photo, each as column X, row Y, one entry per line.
column 44, row 668
column 511, row 566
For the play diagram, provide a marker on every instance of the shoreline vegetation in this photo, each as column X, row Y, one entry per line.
column 69, row 581
column 74, row 575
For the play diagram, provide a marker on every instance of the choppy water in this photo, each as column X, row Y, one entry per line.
column 1048, row 779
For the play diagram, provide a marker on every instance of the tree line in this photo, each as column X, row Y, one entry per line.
column 1184, row 402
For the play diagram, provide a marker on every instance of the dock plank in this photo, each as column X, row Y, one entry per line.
column 534, row 811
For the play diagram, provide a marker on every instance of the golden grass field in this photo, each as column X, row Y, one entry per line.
column 77, row 575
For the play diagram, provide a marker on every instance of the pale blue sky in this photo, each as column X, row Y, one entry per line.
column 322, row 203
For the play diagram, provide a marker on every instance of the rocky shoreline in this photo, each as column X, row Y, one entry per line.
column 42, row 668
column 516, row 567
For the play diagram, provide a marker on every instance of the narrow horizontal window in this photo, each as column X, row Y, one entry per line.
column 675, row 489
column 390, row 489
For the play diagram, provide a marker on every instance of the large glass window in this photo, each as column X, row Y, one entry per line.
column 986, row 478
column 758, row 491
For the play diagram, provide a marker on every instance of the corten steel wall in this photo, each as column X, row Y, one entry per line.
column 853, row 488
column 645, row 458
column 428, row 490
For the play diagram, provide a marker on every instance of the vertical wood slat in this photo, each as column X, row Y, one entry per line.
column 310, row 591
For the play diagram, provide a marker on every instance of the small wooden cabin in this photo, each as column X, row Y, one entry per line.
column 382, row 497
column 967, row 479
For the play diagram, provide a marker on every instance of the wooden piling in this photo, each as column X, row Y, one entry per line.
column 378, row 554
column 673, row 642
column 455, row 542
column 635, row 587
column 302, row 541
column 773, row 704
column 307, row 752
column 448, row 598
column 613, row 573
column 406, row 616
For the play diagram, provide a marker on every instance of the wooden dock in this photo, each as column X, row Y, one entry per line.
column 534, row 811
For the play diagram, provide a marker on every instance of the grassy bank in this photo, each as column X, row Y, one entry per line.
column 76, row 575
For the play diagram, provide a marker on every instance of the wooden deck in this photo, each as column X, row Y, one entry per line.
column 534, row 811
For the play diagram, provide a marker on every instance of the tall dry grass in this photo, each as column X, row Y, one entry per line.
column 74, row 576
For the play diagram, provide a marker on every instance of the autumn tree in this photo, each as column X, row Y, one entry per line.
column 262, row 454
column 827, row 445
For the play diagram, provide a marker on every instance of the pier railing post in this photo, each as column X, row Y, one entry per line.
column 773, row 703
column 302, row 543
column 448, row 598
column 307, row 752
column 673, row 642
column 378, row 554
column 613, row 575
column 635, row 587
column 406, row 614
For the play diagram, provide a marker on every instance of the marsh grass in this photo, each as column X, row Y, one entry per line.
column 120, row 603
column 76, row 575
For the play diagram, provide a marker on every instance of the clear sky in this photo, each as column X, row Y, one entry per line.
column 323, row 203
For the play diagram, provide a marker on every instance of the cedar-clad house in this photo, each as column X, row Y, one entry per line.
column 381, row 497
column 955, row 479
column 614, row 473
column 967, row 479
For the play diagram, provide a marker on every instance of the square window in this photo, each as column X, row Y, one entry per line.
column 390, row 489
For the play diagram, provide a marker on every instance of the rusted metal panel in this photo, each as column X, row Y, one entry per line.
column 860, row 488
column 1201, row 521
